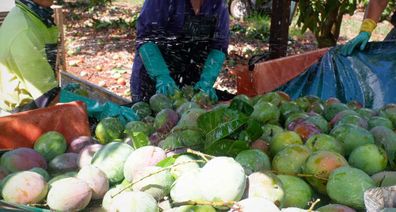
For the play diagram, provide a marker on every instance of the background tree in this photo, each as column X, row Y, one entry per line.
column 324, row 17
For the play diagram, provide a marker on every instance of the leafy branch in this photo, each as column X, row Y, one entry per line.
column 324, row 18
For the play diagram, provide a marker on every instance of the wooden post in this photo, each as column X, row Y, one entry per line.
column 279, row 31
column 61, row 56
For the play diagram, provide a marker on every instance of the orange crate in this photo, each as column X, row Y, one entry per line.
column 269, row 75
column 23, row 129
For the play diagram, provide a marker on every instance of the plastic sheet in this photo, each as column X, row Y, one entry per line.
column 100, row 111
column 366, row 76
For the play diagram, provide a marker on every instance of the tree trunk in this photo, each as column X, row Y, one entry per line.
column 337, row 25
column 329, row 30
column 279, row 31
column 326, row 41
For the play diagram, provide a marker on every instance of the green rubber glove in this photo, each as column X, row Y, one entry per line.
column 157, row 69
column 101, row 110
column 211, row 70
column 362, row 40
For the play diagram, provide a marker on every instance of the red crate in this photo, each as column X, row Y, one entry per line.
column 23, row 129
column 269, row 75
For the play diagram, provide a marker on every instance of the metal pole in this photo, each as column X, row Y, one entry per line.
column 279, row 31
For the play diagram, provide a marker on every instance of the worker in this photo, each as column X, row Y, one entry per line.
column 28, row 47
column 28, row 38
column 179, row 43
column 371, row 18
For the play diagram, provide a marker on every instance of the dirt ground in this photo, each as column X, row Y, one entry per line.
column 102, row 53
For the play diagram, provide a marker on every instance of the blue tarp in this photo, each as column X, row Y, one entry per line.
column 368, row 76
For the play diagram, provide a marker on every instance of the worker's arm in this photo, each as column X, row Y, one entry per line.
column 222, row 31
column 372, row 16
column 153, row 18
column 375, row 9
column 216, row 57
column 30, row 65
column 151, row 22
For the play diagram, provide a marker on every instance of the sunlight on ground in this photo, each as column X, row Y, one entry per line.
column 132, row 2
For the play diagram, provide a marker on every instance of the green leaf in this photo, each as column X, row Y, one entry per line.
column 252, row 132
column 227, row 147
column 139, row 139
column 241, row 106
column 169, row 161
column 220, row 123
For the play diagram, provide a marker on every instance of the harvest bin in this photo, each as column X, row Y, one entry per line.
column 22, row 129
column 264, row 78
column 94, row 92
column 269, row 75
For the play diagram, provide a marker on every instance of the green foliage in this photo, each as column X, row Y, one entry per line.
column 256, row 26
column 389, row 9
column 241, row 106
column 324, row 18
column 227, row 147
column 220, row 123
column 100, row 2
column 169, row 161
